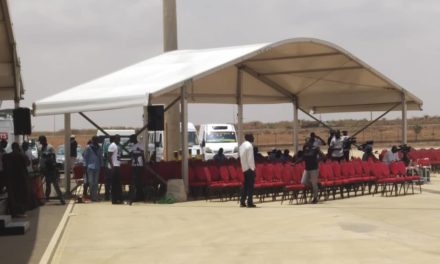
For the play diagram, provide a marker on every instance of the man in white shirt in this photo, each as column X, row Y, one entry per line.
column 114, row 156
column 391, row 155
column 336, row 147
column 248, row 166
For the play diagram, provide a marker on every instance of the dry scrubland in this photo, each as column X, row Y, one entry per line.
column 422, row 132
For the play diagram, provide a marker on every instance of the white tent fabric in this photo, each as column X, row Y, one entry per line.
column 321, row 76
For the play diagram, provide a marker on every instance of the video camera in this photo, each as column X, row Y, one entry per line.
column 404, row 148
column 367, row 146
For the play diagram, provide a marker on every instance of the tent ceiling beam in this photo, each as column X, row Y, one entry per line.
column 313, row 70
column 315, row 109
column 268, row 82
column 296, row 57
column 345, row 83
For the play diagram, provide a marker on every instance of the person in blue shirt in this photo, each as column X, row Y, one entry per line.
column 93, row 162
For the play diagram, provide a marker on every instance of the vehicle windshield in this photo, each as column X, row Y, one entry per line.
column 192, row 139
column 221, row 137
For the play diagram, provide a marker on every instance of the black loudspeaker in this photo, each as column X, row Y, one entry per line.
column 22, row 121
column 156, row 117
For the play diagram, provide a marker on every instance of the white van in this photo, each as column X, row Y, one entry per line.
column 156, row 142
column 212, row 137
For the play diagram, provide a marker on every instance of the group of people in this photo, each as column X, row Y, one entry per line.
column 108, row 156
column 18, row 169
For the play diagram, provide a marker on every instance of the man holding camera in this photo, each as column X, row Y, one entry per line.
column 47, row 163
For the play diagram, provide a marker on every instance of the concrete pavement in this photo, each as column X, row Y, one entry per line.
column 367, row 229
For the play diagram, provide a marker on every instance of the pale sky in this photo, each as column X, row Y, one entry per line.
column 64, row 43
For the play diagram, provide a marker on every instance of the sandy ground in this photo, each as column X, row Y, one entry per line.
column 367, row 229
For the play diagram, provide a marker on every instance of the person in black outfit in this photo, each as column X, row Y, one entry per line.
column 220, row 157
column 73, row 150
column 311, row 156
column 48, row 168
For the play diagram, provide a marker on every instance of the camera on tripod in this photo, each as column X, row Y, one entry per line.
column 404, row 148
column 348, row 142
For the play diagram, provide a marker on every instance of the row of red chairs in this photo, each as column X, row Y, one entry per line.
column 272, row 178
column 426, row 158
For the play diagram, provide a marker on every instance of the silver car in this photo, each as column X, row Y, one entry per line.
column 60, row 156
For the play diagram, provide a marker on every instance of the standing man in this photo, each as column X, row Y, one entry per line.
column 73, row 150
column 336, row 147
column 248, row 167
column 3, row 145
column 93, row 162
column 108, row 173
column 346, row 145
column 311, row 156
column 137, row 166
column 114, row 154
column 47, row 163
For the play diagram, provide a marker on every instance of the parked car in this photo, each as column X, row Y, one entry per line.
column 60, row 156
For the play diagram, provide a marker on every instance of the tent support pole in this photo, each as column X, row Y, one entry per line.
column 375, row 120
column 295, row 125
column 67, row 165
column 184, row 132
column 240, row 105
column 93, row 123
column 404, row 120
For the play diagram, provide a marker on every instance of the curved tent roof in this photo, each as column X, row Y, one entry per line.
column 323, row 77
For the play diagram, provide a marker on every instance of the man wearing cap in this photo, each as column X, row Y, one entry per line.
column 248, row 166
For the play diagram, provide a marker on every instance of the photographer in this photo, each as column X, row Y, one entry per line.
column 336, row 147
column 367, row 148
column 48, row 168
column 346, row 144
column 405, row 149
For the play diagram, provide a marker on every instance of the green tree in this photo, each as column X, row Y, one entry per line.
column 417, row 129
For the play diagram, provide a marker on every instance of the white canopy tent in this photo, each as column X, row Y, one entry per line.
column 315, row 75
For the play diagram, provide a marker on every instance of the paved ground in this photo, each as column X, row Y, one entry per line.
column 368, row 229
column 30, row 247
